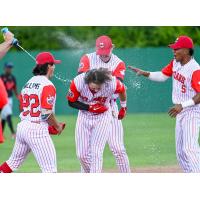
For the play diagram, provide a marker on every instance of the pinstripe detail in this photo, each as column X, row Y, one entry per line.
column 20, row 150
column 96, row 62
column 86, row 96
column 43, row 81
column 115, row 139
column 91, row 136
column 82, row 138
column 188, row 121
column 186, row 71
column 116, row 143
column 34, row 136
column 187, row 146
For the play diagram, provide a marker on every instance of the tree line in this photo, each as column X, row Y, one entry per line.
column 66, row 37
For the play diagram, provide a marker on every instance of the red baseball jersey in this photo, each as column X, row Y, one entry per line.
column 186, row 80
column 79, row 91
column 93, row 61
column 37, row 94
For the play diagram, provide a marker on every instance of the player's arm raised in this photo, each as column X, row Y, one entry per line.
column 121, row 90
column 159, row 76
column 7, row 44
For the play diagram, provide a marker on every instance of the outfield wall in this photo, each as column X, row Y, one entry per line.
column 143, row 95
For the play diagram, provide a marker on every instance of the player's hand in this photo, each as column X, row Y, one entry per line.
column 122, row 113
column 97, row 108
column 8, row 36
column 56, row 130
column 138, row 71
column 176, row 109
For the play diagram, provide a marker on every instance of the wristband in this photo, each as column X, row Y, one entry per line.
column 188, row 103
column 123, row 104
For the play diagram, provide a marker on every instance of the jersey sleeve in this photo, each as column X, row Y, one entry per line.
column 48, row 97
column 195, row 83
column 73, row 94
column 168, row 70
column 120, row 87
column 84, row 64
column 119, row 72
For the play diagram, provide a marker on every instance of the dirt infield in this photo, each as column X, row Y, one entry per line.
column 154, row 169
column 158, row 169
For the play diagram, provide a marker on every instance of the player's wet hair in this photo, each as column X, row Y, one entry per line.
column 191, row 52
column 98, row 76
column 41, row 69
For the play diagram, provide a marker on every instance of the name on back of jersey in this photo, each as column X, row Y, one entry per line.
column 31, row 85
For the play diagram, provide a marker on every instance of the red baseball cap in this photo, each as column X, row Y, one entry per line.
column 103, row 45
column 46, row 57
column 182, row 42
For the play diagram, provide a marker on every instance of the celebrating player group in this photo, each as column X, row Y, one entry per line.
column 95, row 92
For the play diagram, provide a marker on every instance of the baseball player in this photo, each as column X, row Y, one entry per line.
column 185, row 73
column 38, row 98
column 11, row 86
column 91, row 93
column 103, row 57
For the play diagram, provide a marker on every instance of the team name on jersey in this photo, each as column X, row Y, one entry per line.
column 179, row 77
column 32, row 85
column 100, row 99
column 97, row 99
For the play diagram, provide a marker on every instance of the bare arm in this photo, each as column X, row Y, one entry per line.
column 122, row 111
column 122, row 96
column 196, row 98
column 153, row 76
column 16, row 92
column 4, row 47
column 139, row 72
column 53, row 122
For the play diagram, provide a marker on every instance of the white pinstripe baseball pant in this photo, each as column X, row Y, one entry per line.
column 91, row 136
column 116, row 142
column 187, row 146
column 33, row 137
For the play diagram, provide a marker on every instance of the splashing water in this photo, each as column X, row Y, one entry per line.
column 132, row 81
column 71, row 42
column 63, row 79
column 134, row 84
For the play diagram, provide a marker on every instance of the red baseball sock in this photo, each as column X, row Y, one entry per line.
column 5, row 168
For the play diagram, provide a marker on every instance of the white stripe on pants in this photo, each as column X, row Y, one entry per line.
column 33, row 137
column 91, row 137
column 187, row 146
column 116, row 142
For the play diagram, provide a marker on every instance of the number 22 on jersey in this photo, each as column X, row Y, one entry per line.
column 30, row 104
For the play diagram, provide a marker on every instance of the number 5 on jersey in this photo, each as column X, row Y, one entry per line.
column 183, row 89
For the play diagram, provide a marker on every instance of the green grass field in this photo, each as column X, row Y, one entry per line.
column 149, row 140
